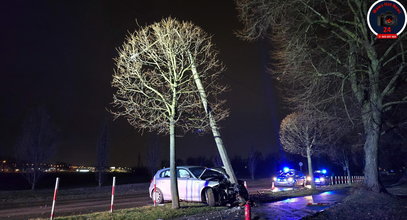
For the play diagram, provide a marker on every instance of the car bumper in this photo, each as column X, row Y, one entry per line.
column 321, row 183
column 283, row 183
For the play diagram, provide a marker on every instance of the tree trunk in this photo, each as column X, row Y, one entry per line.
column 348, row 174
column 173, row 168
column 310, row 170
column 34, row 180
column 372, row 124
column 215, row 131
column 371, row 151
column 100, row 178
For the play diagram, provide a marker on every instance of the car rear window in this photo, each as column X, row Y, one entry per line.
column 165, row 173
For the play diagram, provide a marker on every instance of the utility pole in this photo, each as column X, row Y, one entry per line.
column 212, row 123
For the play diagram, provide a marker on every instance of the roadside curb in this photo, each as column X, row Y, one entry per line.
column 318, row 204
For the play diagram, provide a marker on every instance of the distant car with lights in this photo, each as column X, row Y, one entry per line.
column 320, row 177
column 197, row 184
column 289, row 177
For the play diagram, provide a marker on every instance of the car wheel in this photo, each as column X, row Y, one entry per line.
column 159, row 199
column 210, row 197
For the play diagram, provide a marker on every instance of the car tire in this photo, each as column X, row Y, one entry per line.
column 210, row 197
column 159, row 196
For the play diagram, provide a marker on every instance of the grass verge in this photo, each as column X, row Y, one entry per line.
column 147, row 212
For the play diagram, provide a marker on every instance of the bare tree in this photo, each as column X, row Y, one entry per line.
column 156, row 89
column 36, row 144
column 335, row 38
column 307, row 134
column 341, row 156
column 102, row 152
column 252, row 161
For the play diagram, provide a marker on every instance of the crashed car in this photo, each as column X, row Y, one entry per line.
column 290, row 177
column 198, row 184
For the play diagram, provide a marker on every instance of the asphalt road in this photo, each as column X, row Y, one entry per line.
column 75, row 206
column 288, row 209
column 298, row 207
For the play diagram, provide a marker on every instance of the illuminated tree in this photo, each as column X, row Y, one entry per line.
column 156, row 89
column 333, row 41
column 307, row 134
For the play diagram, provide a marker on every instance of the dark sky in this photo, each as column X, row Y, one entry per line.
column 59, row 54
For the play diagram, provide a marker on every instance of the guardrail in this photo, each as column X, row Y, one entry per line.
column 335, row 180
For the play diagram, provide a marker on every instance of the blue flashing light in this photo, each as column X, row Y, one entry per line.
column 324, row 171
column 286, row 169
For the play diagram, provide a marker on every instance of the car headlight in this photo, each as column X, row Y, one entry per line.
column 290, row 179
column 274, row 178
column 322, row 179
column 308, row 178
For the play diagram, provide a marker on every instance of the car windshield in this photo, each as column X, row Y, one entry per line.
column 197, row 171
column 282, row 174
column 211, row 173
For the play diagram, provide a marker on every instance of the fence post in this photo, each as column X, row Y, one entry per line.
column 113, row 189
column 54, row 199
column 155, row 192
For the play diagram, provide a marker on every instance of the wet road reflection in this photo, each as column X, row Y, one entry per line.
column 297, row 208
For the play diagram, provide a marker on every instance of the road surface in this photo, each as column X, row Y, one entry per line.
column 288, row 209
column 298, row 207
column 75, row 206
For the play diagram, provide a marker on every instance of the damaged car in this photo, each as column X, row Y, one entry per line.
column 198, row 184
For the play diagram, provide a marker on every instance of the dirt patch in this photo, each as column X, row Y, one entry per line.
column 231, row 213
column 363, row 204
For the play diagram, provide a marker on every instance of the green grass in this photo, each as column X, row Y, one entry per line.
column 147, row 212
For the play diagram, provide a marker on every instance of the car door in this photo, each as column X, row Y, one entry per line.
column 163, row 183
column 184, row 186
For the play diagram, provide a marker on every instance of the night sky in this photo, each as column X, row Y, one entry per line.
column 59, row 54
